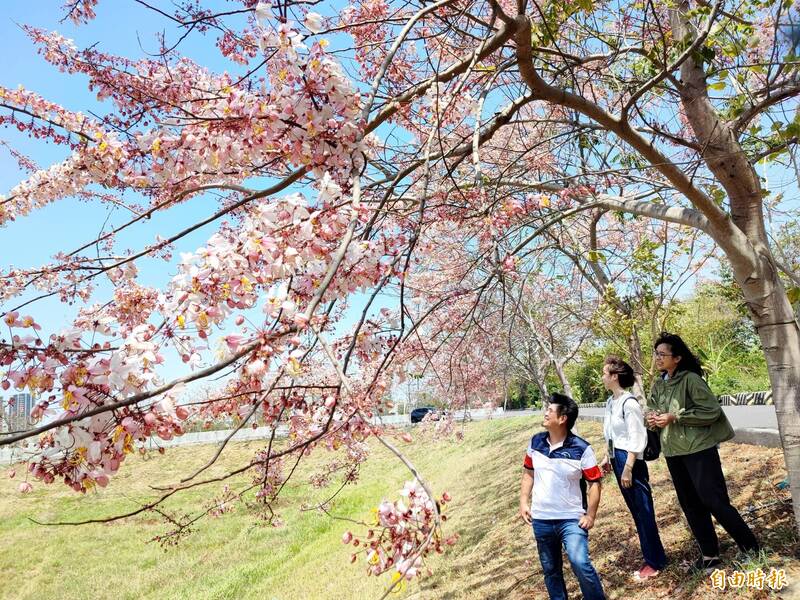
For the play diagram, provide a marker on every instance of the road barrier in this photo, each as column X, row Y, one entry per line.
column 18, row 454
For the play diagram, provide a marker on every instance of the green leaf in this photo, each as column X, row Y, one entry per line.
column 596, row 256
column 720, row 85
column 793, row 293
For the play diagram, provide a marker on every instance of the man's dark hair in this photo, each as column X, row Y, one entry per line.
column 622, row 370
column 567, row 407
column 688, row 362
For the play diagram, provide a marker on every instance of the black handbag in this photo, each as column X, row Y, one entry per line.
column 653, row 449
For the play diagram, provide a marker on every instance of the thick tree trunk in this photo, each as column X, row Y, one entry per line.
column 782, row 349
column 537, row 372
column 779, row 333
column 540, row 383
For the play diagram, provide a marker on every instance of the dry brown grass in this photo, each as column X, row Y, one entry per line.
column 497, row 556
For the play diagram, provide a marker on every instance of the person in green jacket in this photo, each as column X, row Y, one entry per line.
column 692, row 424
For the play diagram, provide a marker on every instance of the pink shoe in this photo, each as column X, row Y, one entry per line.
column 645, row 573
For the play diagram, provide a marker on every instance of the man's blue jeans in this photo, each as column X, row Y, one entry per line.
column 550, row 537
column 639, row 499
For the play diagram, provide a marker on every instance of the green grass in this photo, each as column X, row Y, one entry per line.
column 239, row 555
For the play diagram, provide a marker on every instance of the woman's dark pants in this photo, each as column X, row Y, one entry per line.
column 639, row 498
column 702, row 492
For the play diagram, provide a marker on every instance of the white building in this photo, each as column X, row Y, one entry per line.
column 17, row 411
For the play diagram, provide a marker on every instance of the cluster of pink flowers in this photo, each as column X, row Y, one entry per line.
column 309, row 117
column 222, row 277
column 80, row 11
column 186, row 127
column 404, row 533
column 268, row 475
column 356, row 453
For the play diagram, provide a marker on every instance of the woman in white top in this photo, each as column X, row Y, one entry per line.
column 626, row 438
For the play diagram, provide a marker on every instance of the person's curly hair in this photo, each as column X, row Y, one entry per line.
column 688, row 361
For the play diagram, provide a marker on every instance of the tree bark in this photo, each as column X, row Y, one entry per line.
column 538, row 378
column 635, row 349
column 562, row 377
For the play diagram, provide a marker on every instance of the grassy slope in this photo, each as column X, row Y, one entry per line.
column 236, row 556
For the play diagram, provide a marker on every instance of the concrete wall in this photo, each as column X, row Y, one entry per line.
column 12, row 455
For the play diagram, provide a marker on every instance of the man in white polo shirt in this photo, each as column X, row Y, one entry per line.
column 559, row 496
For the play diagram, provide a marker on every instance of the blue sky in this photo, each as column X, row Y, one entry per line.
column 65, row 224
column 124, row 28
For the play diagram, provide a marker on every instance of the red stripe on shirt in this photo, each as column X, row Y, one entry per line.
column 528, row 464
column 592, row 473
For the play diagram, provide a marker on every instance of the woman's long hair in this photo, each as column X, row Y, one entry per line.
column 688, row 361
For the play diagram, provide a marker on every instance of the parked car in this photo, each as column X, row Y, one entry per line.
column 419, row 413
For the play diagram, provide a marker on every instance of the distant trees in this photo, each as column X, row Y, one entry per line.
column 713, row 323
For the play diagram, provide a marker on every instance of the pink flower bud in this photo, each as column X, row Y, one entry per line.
column 406, row 437
column 25, row 487
column 11, row 473
column 347, row 537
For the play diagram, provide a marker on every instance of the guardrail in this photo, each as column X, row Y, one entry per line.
column 12, row 455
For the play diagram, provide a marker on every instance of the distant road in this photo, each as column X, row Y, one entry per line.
column 11, row 455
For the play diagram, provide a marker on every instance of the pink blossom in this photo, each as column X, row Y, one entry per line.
column 313, row 22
